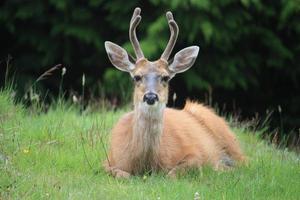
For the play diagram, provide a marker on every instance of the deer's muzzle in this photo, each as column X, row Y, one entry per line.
column 150, row 98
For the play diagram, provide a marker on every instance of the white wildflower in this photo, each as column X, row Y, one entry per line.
column 83, row 80
column 174, row 97
column 75, row 99
column 63, row 71
column 196, row 196
column 279, row 109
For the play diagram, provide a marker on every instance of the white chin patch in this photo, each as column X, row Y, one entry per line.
column 153, row 105
column 156, row 107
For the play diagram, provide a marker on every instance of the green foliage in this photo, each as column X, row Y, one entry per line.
column 251, row 46
column 237, row 38
column 117, row 84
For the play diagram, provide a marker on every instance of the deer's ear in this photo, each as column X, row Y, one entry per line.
column 184, row 59
column 118, row 57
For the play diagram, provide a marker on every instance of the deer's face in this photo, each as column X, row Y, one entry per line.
column 151, row 79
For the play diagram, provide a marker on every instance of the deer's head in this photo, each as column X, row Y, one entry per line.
column 151, row 79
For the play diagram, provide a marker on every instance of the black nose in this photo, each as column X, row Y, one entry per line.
column 150, row 98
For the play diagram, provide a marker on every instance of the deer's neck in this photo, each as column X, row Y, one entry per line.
column 147, row 131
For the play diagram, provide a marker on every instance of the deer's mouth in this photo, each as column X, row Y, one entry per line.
column 147, row 109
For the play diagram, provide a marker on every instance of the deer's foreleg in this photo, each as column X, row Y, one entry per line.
column 116, row 172
column 187, row 162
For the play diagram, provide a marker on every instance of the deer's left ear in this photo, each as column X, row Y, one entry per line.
column 184, row 59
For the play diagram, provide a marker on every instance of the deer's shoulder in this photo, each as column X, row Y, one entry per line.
column 124, row 123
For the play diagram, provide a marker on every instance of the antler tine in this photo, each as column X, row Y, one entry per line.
column 136, row 12
column 174, row 34
column 134, row 22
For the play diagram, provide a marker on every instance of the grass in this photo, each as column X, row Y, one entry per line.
column 58, row 155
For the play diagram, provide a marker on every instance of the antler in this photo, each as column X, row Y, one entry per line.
column 174, row 34
column 134, row 22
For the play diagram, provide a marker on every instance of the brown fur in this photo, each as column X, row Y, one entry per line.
column 191, row 137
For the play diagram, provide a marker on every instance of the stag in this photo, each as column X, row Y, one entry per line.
column 155, row 138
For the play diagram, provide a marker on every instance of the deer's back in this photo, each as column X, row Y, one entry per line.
column 184, row 136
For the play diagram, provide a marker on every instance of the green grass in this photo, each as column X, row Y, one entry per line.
column 58, row 155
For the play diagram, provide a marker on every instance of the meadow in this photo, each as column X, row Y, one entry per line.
column 58, row 154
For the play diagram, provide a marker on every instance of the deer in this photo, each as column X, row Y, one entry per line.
column 154, row 138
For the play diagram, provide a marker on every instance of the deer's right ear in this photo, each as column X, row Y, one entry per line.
column 118, row 57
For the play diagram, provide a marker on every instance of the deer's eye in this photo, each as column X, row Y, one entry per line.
column 165, row 78
column 137, row 78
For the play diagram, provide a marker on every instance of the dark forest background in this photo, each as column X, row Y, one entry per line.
column 248, row 62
